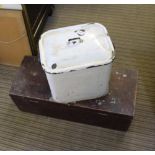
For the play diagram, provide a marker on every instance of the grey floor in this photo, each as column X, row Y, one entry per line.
column 132, row 28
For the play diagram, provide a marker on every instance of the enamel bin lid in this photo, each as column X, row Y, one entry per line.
column 75, row 47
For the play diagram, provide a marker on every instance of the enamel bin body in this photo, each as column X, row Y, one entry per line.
column 77, row 61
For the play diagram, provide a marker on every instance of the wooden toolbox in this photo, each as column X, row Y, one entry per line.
column 31, row 93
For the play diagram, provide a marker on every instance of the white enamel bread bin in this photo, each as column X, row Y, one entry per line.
column 77, row 61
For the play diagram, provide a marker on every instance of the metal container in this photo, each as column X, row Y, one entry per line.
column 77, row 61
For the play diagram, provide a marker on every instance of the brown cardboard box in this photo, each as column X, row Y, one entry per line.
column 14, row 44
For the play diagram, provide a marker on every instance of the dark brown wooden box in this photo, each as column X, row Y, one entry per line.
column 31, row 93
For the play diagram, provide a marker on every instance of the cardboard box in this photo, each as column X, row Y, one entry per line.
column 14, row 43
